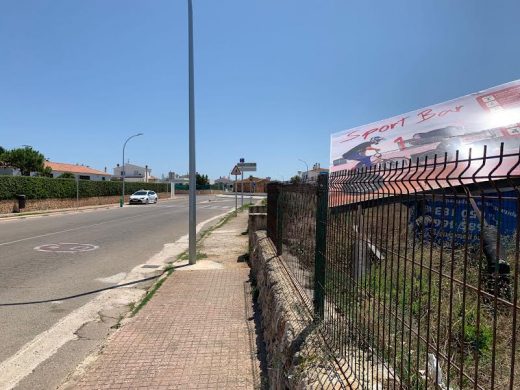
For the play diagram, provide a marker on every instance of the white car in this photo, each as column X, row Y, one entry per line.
column 143, row 197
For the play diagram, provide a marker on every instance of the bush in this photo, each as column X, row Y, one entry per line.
column 186, row 187
column 45, row 188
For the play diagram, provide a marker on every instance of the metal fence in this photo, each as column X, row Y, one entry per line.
column 292, row 211
column 413, row 268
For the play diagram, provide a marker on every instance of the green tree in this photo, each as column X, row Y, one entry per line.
column 26, row 159
column 296, row 179
column 46, row 172
column 2, row 155
column 202, row 180
column 66, row 175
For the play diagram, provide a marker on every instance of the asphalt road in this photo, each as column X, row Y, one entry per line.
column 122, row 238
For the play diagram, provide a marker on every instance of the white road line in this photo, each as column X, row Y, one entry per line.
column 69, row 230
column 74, row 229
column 47, row 343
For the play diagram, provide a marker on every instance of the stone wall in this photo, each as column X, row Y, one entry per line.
column 281, row 321
column 257, row 221
column 258, row 209
column 7, row 206
column 297, row 356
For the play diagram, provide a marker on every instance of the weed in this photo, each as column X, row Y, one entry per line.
column 150, row 293
column 185, row 256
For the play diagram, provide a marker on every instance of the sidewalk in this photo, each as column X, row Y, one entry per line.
column 197, row 331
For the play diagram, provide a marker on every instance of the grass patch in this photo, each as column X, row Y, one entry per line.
column 147, row 297
column 150, row 293
column 185, row 256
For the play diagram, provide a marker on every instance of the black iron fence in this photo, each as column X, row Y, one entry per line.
column 412, row 268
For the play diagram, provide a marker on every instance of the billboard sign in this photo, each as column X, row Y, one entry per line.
column 488, row 117
column 454, row 219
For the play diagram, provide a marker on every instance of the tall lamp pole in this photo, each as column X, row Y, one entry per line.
column 124, row 171
column 192, row 199
column 307, row 166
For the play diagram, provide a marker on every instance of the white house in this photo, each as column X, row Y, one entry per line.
column 176, row 178
column 312, row 175
column 9, row 171
column 134, row 173
column 82, row 172
column 225, row 183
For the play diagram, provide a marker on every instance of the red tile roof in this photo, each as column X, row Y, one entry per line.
column 72, row 168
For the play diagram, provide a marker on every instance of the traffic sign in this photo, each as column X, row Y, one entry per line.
column 236, row 171
column 247, row 167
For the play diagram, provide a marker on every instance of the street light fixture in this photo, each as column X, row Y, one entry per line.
column 307, row 166
column 123, row 173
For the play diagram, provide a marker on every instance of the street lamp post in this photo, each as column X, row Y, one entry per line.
column 307, row 166
column 192, row 230
column 123, row 173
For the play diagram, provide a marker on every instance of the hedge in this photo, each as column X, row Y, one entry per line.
column 186, row 187
column 45, row 187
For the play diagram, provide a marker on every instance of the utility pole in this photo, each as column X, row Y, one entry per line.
column 193, row 190
column 77, row 191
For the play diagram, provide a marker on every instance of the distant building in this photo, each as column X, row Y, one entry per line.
column 224, row 183
column 134, row 173
column 252, row 184
column 9, row 171
column 179, row 179
column 83, row 172
column 312, row 175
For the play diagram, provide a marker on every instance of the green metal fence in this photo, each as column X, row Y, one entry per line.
column 412, row 268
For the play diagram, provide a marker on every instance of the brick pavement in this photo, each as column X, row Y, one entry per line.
column 197, row 332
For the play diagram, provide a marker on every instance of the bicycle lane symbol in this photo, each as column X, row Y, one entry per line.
column 66, row 247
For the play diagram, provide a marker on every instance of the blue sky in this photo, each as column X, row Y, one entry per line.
column 273, row 78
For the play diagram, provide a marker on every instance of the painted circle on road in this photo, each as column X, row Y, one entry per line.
column 66, row 247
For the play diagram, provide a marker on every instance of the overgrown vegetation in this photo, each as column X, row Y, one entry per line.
column 185, row 256
column 418, row 298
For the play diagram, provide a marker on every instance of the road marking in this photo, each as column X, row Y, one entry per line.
column 66, row 247
column 76, row 228
column 47, row 343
